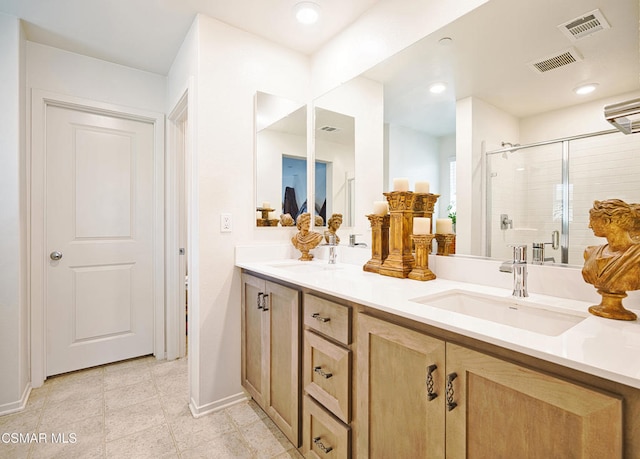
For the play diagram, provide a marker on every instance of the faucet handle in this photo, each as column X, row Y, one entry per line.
column 519, row 253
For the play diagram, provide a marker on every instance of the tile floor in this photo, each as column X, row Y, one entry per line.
column 135, row 409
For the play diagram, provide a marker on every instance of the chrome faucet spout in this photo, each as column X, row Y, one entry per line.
column 518, row 266
column 333, row 249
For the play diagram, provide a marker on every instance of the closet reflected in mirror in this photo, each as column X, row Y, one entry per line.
column 281, row 160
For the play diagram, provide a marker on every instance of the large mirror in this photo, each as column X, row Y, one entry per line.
column 281, row 158
column 334, row 165
column 510, row 69
column 348, row 146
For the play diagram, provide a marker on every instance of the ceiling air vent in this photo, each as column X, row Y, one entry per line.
column 555, row 61
column 329, row 129
column 585, row 25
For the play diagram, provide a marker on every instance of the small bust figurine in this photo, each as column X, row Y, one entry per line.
column 613, row 268
column 305, row 240
column 286, row 220
column 333, row 224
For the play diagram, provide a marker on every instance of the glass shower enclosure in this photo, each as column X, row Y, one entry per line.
column 535, row 190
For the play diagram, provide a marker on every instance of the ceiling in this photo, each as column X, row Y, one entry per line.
column 147, row 34
column 489, row 55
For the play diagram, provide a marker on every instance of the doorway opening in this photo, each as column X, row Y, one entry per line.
column 177, row 230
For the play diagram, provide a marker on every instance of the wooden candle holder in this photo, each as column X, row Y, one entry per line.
column 446, row 244
column 400, row 261
column 379, row 242
column 265, row 220
column 421, row 270
column 424, row 204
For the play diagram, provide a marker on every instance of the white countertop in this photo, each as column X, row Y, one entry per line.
column 597, row 346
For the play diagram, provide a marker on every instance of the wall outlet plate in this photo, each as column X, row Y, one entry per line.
column 225, row 223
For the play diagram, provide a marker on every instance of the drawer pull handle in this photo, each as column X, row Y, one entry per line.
column 450, row 403
column 430, row 393
column 264, row 302
column 322, row 373
column 325, row 449
column 260, row 300
column 316, row 315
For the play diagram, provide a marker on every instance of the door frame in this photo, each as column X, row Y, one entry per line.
column 179, row 141
column 36, row 268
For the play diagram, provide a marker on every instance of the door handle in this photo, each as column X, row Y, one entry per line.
column 55, row 255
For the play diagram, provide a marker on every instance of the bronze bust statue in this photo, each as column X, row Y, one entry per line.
column 614, row 268
column 333, row 224
column 305, row 240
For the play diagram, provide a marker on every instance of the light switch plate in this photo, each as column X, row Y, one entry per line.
column 225, row 223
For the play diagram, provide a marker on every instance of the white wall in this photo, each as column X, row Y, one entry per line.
column 446, row 150
column 14, row 367
column 227, row 67
column 415, row 155
column 479, row 127
column 63, row 72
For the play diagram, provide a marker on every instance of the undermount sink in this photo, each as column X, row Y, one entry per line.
column 303, row 267
column 509, row 311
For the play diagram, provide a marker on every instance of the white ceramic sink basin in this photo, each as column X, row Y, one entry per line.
column 303, row 267
column 510, row 311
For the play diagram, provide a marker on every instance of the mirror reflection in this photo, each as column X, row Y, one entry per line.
column 281, row 159
column 334, row 165
column 502, row 84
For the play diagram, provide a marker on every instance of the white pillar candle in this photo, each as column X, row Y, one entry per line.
column 400, row 184
column 444, row 226
column 421, row 225
column 422, row 187
column 266, row 205
column 380, row 207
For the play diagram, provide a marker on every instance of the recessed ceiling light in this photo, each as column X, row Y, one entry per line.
column 307, row 12
column 437, row 88
column 585, row 88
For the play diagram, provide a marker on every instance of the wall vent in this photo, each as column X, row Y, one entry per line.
column 555, row 61
column 584, row 26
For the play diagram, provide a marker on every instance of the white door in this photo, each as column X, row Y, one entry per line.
column 99, row 218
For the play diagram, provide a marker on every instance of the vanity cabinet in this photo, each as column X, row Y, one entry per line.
column 327, row 370
column 420, row 396
column 271, row 350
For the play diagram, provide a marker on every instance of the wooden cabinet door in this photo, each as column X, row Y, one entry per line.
column 254, row 341
column 395, row 417
column 507, row 411
column 282, row 328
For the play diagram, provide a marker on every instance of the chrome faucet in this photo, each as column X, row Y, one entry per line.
column 518, row 266
column 538, row 249
column 353, row 243
column 333, row 249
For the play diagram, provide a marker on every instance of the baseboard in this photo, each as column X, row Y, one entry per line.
column 198, row 411
column 18, row 405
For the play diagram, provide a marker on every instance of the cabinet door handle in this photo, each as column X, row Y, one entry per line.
column 450, row 403
column 316, row 315
column 325, row 449
column 430, row 393
column 264, row 302
column 322, row 373
column 260, row 300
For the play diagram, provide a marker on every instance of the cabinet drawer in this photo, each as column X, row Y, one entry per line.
column 329, row 318
column 327, row 374
column 324, row 435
